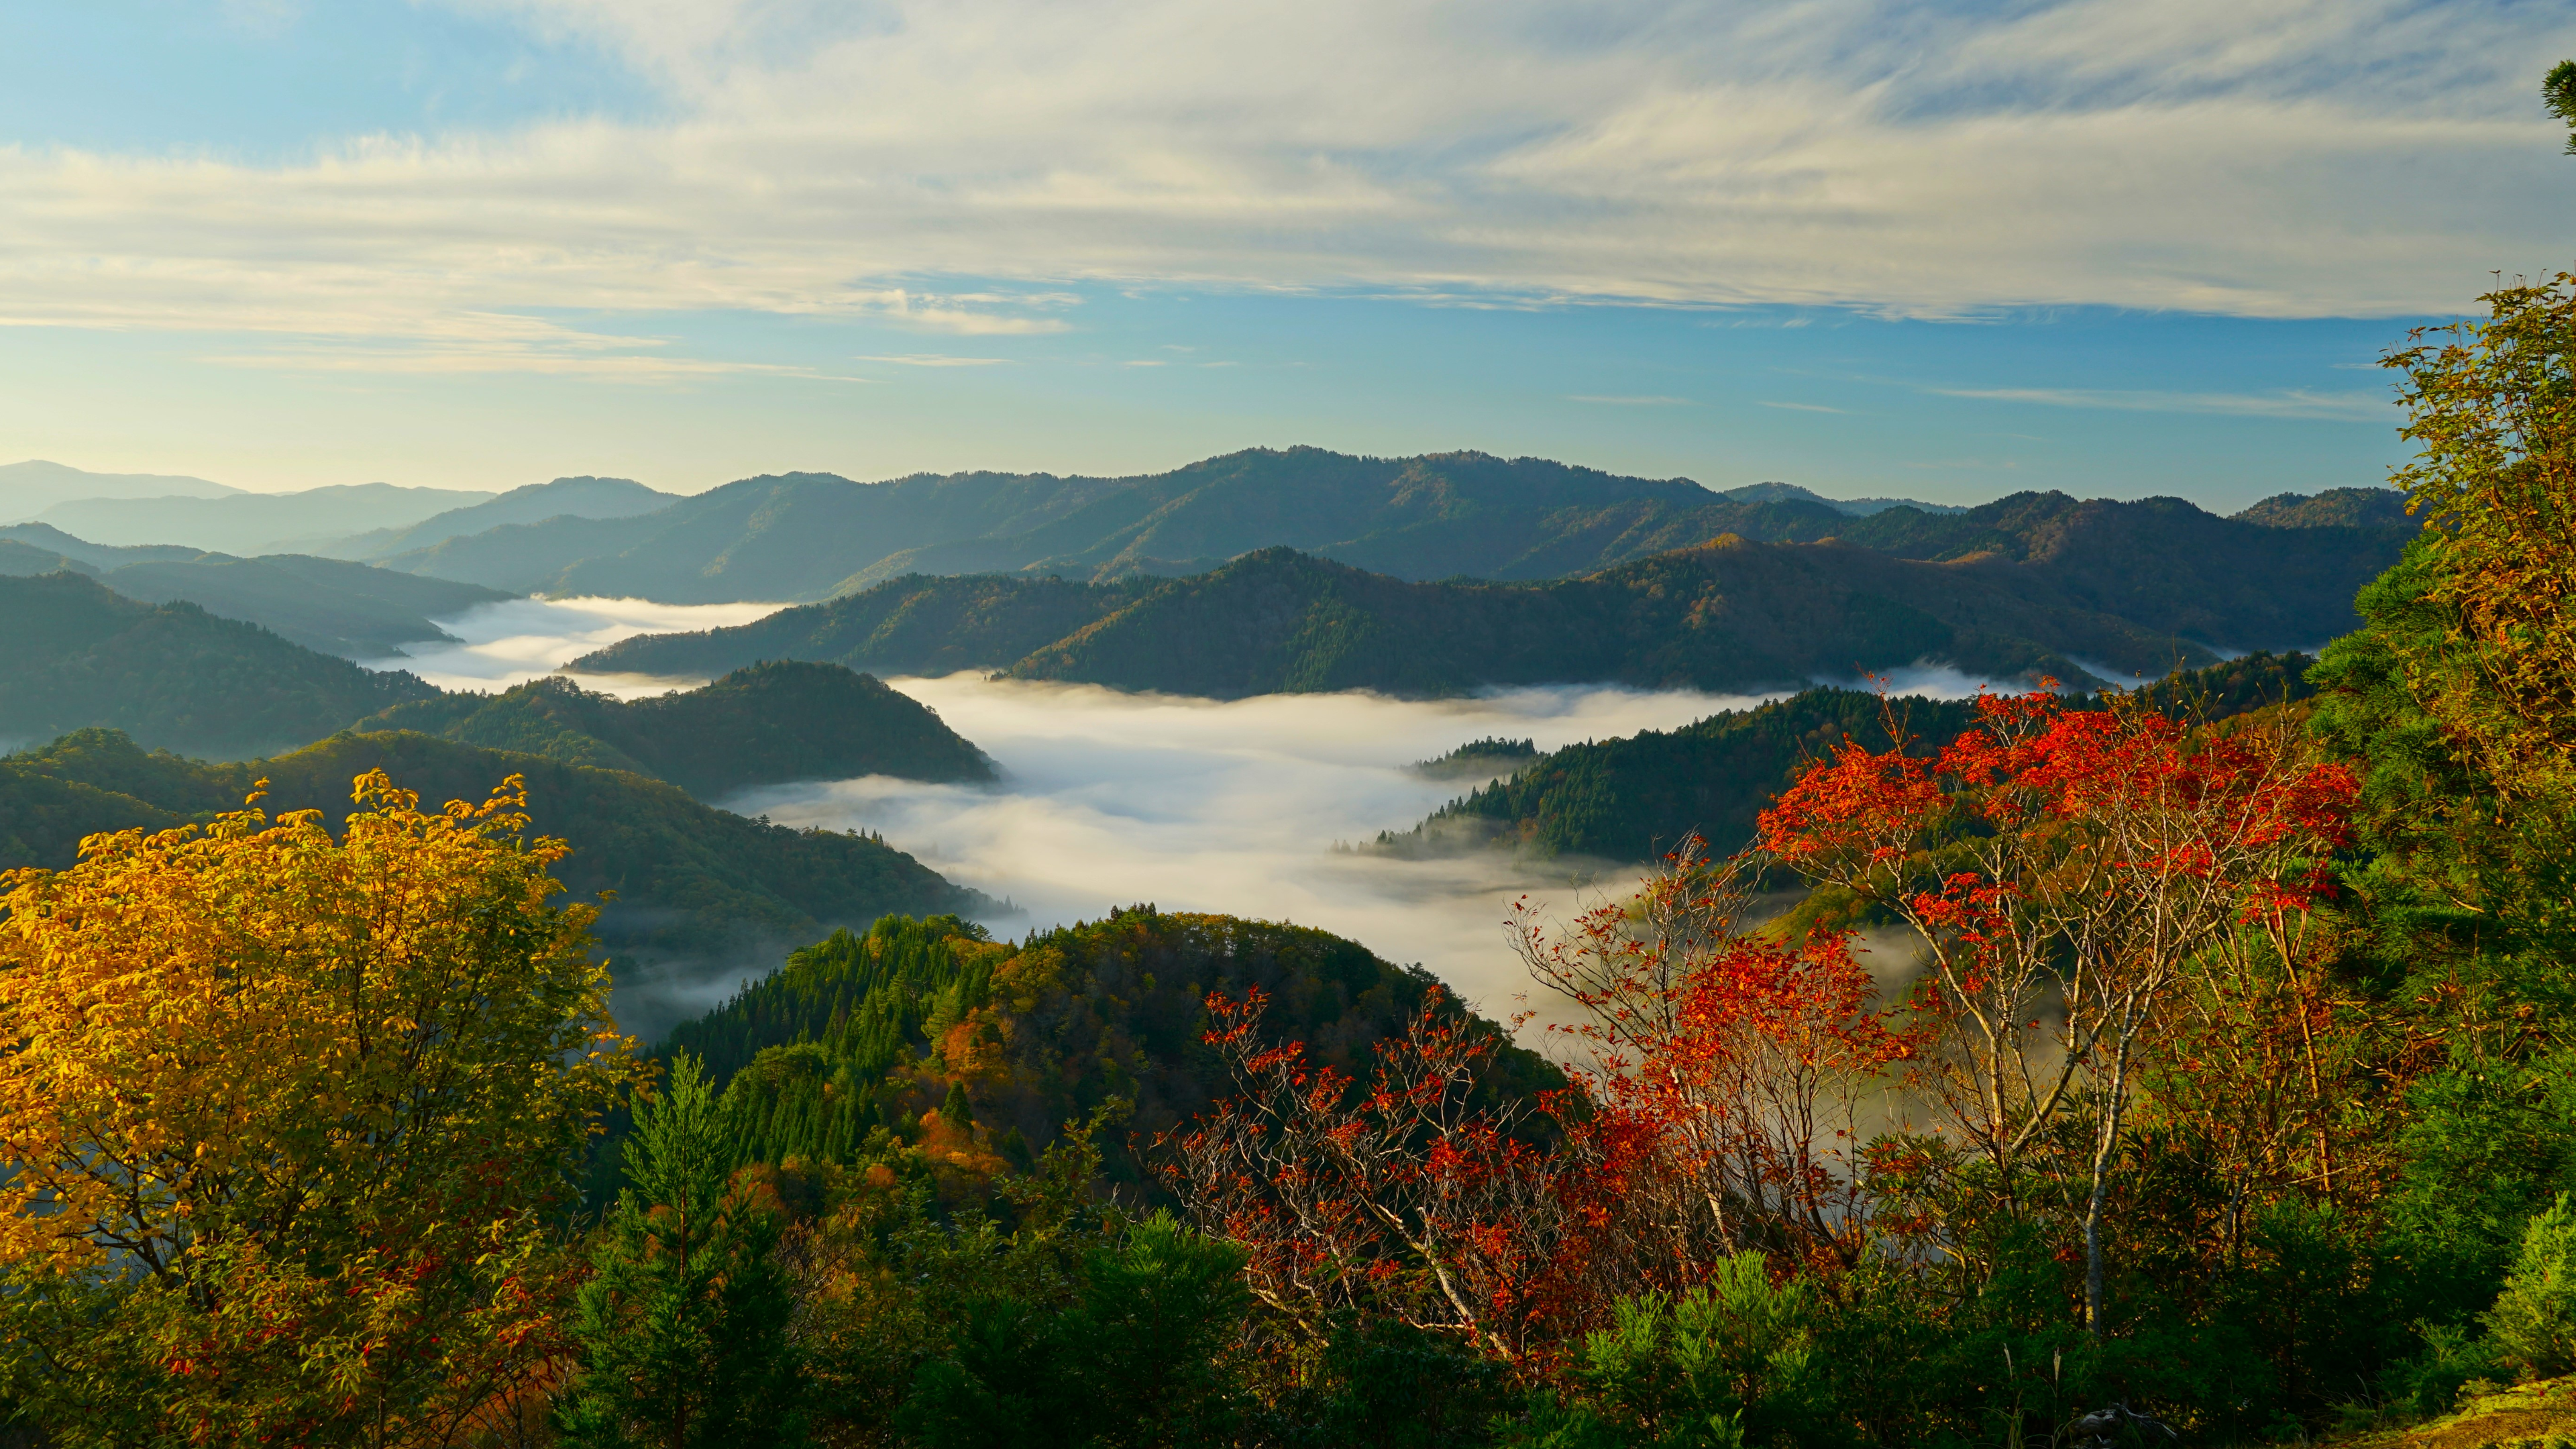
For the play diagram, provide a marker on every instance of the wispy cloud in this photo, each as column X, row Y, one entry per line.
column 456, row 360
column 1646, row 401
column 933, row 359
column 2279, row 158
column 1804, row 407
column 2359, row 407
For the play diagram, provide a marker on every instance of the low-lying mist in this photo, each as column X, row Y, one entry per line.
column 520, row 639
column 1110, row 799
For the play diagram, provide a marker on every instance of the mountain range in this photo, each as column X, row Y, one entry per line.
column 2035, row 584
column 813, row 536
column 357, row 521
column 175, row 677
column 31, row 487
column 253, row 522
column 583, row 497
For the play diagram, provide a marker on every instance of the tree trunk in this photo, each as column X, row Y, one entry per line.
column 2103, row 1147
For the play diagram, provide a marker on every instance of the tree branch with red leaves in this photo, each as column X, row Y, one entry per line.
column 1725, row 1071
column 1404, row 1194
column 2063, row 868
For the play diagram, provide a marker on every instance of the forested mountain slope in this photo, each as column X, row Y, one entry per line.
column 26, row 560
column 336, row 607
column 689, row 880
column 348, row 609
column 2369, row 508
column 807, row 536
column 917, row 624
column 1729, row 615
column 766, row 724
column 864, row 1033
column 172, row 675
column 1638, row 797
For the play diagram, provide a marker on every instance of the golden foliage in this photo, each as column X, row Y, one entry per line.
column 291, row 1107
column 2494, row 413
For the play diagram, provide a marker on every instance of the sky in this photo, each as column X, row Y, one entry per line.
column 1934, row 250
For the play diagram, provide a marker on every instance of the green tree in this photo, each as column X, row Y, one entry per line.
column 1727, row 1364
column 684, row 1323
column 2558, row 91
column 2534, row 1321
column 1139, row 1359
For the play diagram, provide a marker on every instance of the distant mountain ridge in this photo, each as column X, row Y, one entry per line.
column 582, row 497
column 35, row 485
column 253, row 523
column 2034, row 584
column 1855, row 507
column 2334, row 508
column 802, row 537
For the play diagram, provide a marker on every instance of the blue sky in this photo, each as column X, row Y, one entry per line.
column 1937, row 251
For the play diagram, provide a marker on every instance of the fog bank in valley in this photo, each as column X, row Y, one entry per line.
column 1110, row 799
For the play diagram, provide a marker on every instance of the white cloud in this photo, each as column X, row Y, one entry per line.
column 1650, row 401
column 1803, row 407
column 2257, row 157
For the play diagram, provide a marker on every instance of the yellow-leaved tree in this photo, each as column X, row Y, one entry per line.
column 289, row 1120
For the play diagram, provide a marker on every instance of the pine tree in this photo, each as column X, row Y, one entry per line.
column 684, row 1320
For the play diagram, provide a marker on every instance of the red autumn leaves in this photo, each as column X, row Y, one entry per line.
column 2061, row 870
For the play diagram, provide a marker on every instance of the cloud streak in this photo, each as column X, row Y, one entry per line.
column 2357, row 407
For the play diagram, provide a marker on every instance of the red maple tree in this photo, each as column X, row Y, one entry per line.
column 2064, row 868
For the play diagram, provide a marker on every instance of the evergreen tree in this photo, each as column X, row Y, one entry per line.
column 2534, row 1321
column 684, row 1321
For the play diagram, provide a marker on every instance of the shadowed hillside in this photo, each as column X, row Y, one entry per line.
column 1729, row 615
column 696, row 889
column 763, row 725
column 172, row 675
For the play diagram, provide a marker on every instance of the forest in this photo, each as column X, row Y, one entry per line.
column 2230, row 1095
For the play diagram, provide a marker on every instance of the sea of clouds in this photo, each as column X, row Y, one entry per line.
column 1109, row 799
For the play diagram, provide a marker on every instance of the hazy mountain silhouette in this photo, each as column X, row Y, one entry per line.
column 29, row 488
column 249, row 523
column 583, row 497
